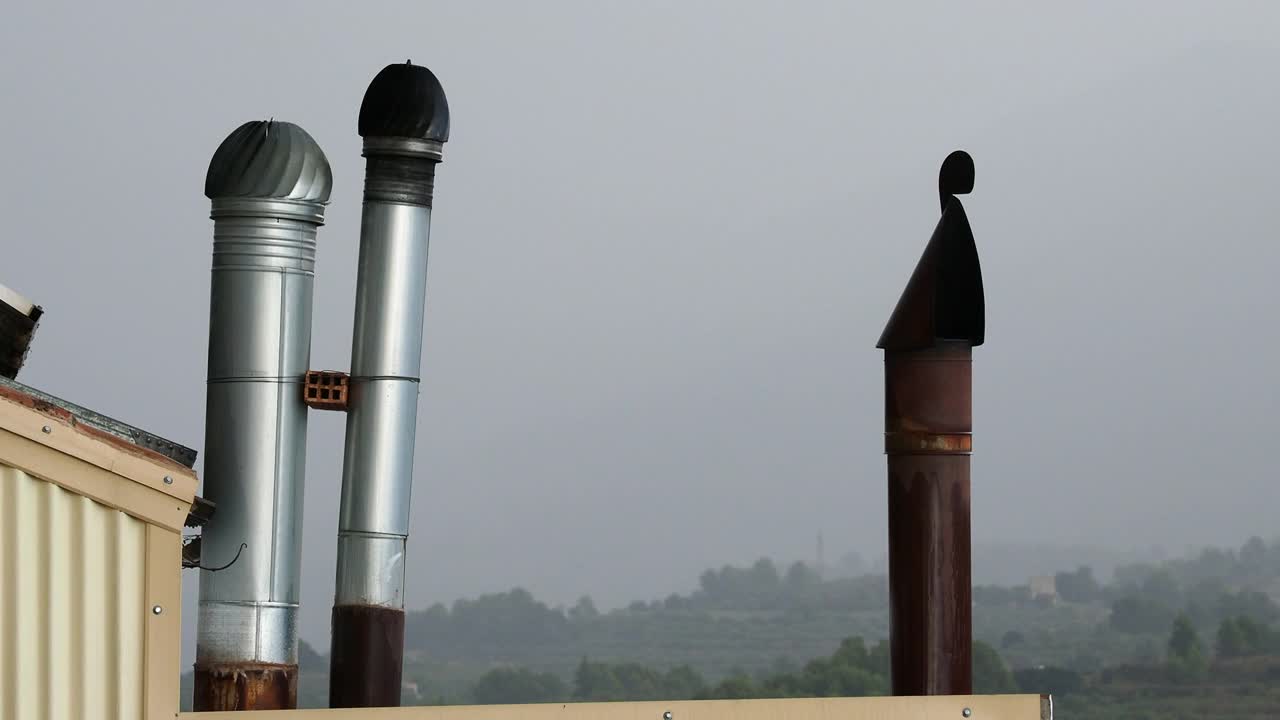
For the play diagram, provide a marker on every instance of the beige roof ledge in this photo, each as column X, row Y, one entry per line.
column 47, row 440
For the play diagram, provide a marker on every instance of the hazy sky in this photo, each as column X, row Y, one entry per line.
column 666, row 239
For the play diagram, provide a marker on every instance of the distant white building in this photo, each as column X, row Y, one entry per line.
column 1043, row 586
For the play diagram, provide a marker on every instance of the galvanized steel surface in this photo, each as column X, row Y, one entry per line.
column 371, row 569
column 268, row 183
column 255, row 434
column 391, row 291
column 386, row 355
column 381, row 425
column 72, row 604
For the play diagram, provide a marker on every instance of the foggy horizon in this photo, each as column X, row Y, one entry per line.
column 665, row 240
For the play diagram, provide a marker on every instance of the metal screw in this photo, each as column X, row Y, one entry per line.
column 666, row 715
column 156, row 610
column 46, row 429
column 966, row 712
column 168, row 480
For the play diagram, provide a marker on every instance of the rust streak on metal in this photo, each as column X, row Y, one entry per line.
column 245, row 686
column 367, row 656
column 931, row 624
column 919, row 443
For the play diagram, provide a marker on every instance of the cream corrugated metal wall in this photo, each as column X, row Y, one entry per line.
column 72, row 576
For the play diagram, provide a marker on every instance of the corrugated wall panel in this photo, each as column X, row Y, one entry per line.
column 71, row 605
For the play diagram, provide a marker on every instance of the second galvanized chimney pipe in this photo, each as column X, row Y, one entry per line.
column 404, row 121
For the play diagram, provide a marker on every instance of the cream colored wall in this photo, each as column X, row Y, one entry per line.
column 72, row 577
column 78, row 584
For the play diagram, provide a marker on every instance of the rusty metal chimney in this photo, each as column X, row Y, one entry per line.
column 269, row 183
column 928, row 440
column 404, row 120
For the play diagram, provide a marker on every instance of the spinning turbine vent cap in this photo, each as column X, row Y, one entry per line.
column 269, row 159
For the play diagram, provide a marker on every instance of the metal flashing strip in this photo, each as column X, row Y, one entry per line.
column 178, row 453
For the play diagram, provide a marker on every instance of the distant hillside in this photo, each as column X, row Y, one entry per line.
column 755, row 620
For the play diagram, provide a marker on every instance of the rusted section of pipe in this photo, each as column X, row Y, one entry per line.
column 928, row 346
column 367, row 655
column 245, row 686
column 927, row 394
column 931, row 443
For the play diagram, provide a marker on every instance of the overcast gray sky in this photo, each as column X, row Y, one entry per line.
column 666, row 238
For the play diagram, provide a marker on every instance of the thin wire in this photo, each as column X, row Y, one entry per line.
column 216, row 569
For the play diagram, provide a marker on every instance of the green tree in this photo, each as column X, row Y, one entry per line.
column 852, row 652
column 638, row 682
column 1137, row 615
column 1207, row 593
column 1147, row 653
column 1253, row 555
column 1079, row 586
column 584, row 609
column 504, row 686
column 1049, row 681
column 1187, row 659
column 878, row 660
column 802, row 579
column 595, row 681
column 682, row 683
column 990, row 675
column 1251, row 604
column 1184, row 641
column 1256, row 638
column 1161, row 587
column 1231, row 642
column 736, row 687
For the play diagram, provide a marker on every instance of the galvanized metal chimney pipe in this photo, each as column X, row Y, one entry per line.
column 269, row 183
column 404, row 121
column 928, row 439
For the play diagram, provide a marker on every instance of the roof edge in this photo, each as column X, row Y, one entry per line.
column 61, row 429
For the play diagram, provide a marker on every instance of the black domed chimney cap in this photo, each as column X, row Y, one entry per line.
column 405, row 100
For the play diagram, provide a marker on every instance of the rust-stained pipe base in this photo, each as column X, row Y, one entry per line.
column 367, row 657
column 245, row 686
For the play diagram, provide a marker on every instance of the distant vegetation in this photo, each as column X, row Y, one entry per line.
column 1156, row 639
